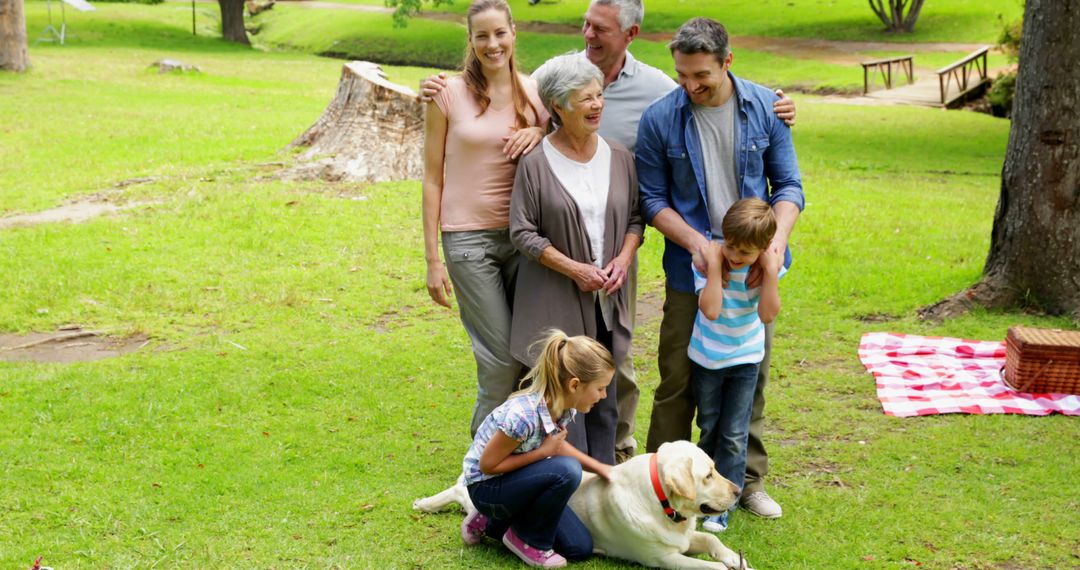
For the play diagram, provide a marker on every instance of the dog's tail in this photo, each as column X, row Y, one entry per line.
column 456, row 493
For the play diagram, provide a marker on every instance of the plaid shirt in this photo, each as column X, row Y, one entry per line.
column 523, row 418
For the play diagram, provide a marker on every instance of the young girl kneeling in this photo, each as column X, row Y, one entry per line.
column 519, row 473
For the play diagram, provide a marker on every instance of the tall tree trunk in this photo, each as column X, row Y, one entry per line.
column 1035, row 243
column 13, row 36
column 232, row 21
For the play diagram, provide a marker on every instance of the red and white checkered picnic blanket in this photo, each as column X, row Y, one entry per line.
column 924, row 375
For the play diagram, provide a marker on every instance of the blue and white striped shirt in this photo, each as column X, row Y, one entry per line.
column 737, row 336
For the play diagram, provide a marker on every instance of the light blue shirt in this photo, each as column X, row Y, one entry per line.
column 671, row 173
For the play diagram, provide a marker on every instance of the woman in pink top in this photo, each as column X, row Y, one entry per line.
column 475, row 129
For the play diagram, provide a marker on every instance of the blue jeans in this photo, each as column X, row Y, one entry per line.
column 725, row 398
column 533, row 500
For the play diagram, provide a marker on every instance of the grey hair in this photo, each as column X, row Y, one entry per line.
column 701, row 35
column 562, row 75
column 630, row 11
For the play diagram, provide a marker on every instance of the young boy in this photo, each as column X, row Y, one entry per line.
column 728, row 341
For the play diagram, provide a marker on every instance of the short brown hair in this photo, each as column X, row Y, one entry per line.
column 749, row 222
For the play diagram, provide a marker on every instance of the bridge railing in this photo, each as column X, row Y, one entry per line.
column 884, row 67
column 961, row 73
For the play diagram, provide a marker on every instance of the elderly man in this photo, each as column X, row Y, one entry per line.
column 630, row 86
column 699, row 149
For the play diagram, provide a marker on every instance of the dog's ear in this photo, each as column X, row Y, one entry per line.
column 679, row 478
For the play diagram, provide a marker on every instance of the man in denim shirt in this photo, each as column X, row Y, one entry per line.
column 699, row 149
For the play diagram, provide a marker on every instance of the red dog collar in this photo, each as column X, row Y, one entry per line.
column 654, row 475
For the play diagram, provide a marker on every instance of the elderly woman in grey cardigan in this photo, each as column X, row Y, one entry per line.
column 574, row 215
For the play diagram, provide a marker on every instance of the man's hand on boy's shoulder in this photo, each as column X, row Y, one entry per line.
column 431, row 86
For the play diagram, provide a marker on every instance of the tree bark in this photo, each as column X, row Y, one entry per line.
column 1034, row 257
column 900, row 15
column 13, row 36
column 232, row 21
column 372, row 131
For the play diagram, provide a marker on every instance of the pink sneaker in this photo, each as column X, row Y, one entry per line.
column 472, row 528
column 532, row 556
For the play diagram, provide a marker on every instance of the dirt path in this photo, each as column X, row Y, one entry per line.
column 76, row 211
column 69, row 344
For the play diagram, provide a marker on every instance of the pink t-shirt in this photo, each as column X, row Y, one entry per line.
column 477, row 177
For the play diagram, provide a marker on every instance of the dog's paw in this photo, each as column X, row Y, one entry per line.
column 729, row 558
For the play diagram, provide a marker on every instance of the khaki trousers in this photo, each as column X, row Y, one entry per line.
column 627, row 393
column 673, row 404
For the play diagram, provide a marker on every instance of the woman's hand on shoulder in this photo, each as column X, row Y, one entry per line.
column 521, row 141
column 438, row 283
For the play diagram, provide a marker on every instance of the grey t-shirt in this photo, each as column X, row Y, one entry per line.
column 716, row 129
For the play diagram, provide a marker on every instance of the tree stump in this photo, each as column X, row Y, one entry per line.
column 372, row 131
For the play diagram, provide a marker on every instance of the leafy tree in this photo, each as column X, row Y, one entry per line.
column 899, row 16
column 13, row 36
column 1003, row 89
column 405, row 9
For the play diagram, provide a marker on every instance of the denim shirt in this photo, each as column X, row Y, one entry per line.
column 671, row 174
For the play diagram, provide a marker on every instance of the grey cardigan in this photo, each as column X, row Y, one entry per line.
column 543, row 214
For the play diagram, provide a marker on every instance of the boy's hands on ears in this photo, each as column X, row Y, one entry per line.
column 771, row 260
column 768, row 262
column 713, row 253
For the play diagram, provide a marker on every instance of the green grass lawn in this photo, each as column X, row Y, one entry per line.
column 942, row 21
column 359, row 35
column 66, row 143
column 300, row 390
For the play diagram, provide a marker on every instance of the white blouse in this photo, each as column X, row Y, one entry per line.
column 588, row 184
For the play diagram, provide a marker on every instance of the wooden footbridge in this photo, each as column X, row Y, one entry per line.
column 949, row 86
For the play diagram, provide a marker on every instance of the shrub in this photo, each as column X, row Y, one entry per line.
column 1001, row 94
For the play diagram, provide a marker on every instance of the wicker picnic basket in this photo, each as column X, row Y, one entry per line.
column 1042, row 361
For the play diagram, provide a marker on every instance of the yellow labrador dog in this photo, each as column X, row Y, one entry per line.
column 648, row 512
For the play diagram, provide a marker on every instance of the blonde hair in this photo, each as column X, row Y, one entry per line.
column 474, row 74
column 562, row 358
column 749, row 222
